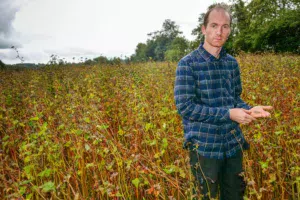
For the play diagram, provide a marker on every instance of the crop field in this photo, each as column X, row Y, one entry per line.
column 113, row 132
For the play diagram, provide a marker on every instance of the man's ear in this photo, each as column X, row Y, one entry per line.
column 203, row 29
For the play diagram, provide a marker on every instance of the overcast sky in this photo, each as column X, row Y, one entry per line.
column 87, row 28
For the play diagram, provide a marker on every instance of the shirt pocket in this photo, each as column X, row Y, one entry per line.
column 203, row 80
column 227, row 83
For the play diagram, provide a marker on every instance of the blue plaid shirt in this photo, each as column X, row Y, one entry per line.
column 205, row 89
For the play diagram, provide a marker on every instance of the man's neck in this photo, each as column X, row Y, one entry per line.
column 215, row 51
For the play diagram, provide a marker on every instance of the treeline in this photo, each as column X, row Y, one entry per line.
column 56, row 61
column 257, row 26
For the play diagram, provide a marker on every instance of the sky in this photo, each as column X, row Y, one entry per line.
column 87, row 28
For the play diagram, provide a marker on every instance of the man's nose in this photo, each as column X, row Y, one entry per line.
column 219, row 31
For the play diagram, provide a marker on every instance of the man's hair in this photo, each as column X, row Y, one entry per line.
column 217, row 6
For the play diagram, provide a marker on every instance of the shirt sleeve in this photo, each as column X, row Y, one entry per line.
column 239, row 103
column 187, row 103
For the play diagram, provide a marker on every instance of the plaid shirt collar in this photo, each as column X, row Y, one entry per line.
column 209, row 57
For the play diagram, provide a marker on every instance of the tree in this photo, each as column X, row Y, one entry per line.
column 89, row 62
column 2, row 65
column 140, row 53
column 169, row 30
column 101, row 60
column 177, row 50
column 282, row 34
column 198, row 33
column 240, row 22
column 162, row 39
column 162, row 44
column 158, row 44
column 266, row 25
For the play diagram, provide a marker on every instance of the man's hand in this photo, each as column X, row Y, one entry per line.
column 241, row 115
column 260, row 111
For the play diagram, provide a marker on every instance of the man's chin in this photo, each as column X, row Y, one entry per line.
column 219, row 43
column 215, row 44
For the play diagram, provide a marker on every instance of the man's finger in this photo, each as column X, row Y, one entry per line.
column 251, row 117
column 267, row 114
column 247, row 121
column 267, row 107
column 247, row 111
column 256, row 114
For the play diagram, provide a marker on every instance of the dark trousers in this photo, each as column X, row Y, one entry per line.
column 218, row 178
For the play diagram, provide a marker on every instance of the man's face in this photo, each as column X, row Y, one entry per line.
column 218, row 28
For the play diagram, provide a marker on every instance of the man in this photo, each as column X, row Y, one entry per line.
column 207, row 95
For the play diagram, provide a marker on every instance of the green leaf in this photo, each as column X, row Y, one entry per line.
column 164, row 143
column 170, row 169
column 148, row 126
column 266, row 88
column 153, row 142
column 90, row 165
column 68, row 144
column 45, row 124
column 91, row 95
column 279, row 132
column 22, row 190
column 28, row 169
column 136, row 182
column 87, row 120
column 34, row 118
column 120, row 131
column 119, row 194
column 48, row 187
column 164, row 126
column 31, row 124
column 87, row 147
column 264, row 165
column 61, row 126
column 181, row 173
column 25, row 182
column 29, row 196
column 272, row 178
column 5, row 138
column 78, row 132
column 277, row 114
column 157, row 155
column 27, row 159
column 43, row 129
column 45, row 173
column 102, row 127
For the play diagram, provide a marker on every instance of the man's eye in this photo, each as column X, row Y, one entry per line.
column 213, row 25
column 226, row 26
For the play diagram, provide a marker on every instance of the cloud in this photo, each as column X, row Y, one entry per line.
column 8, row 35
